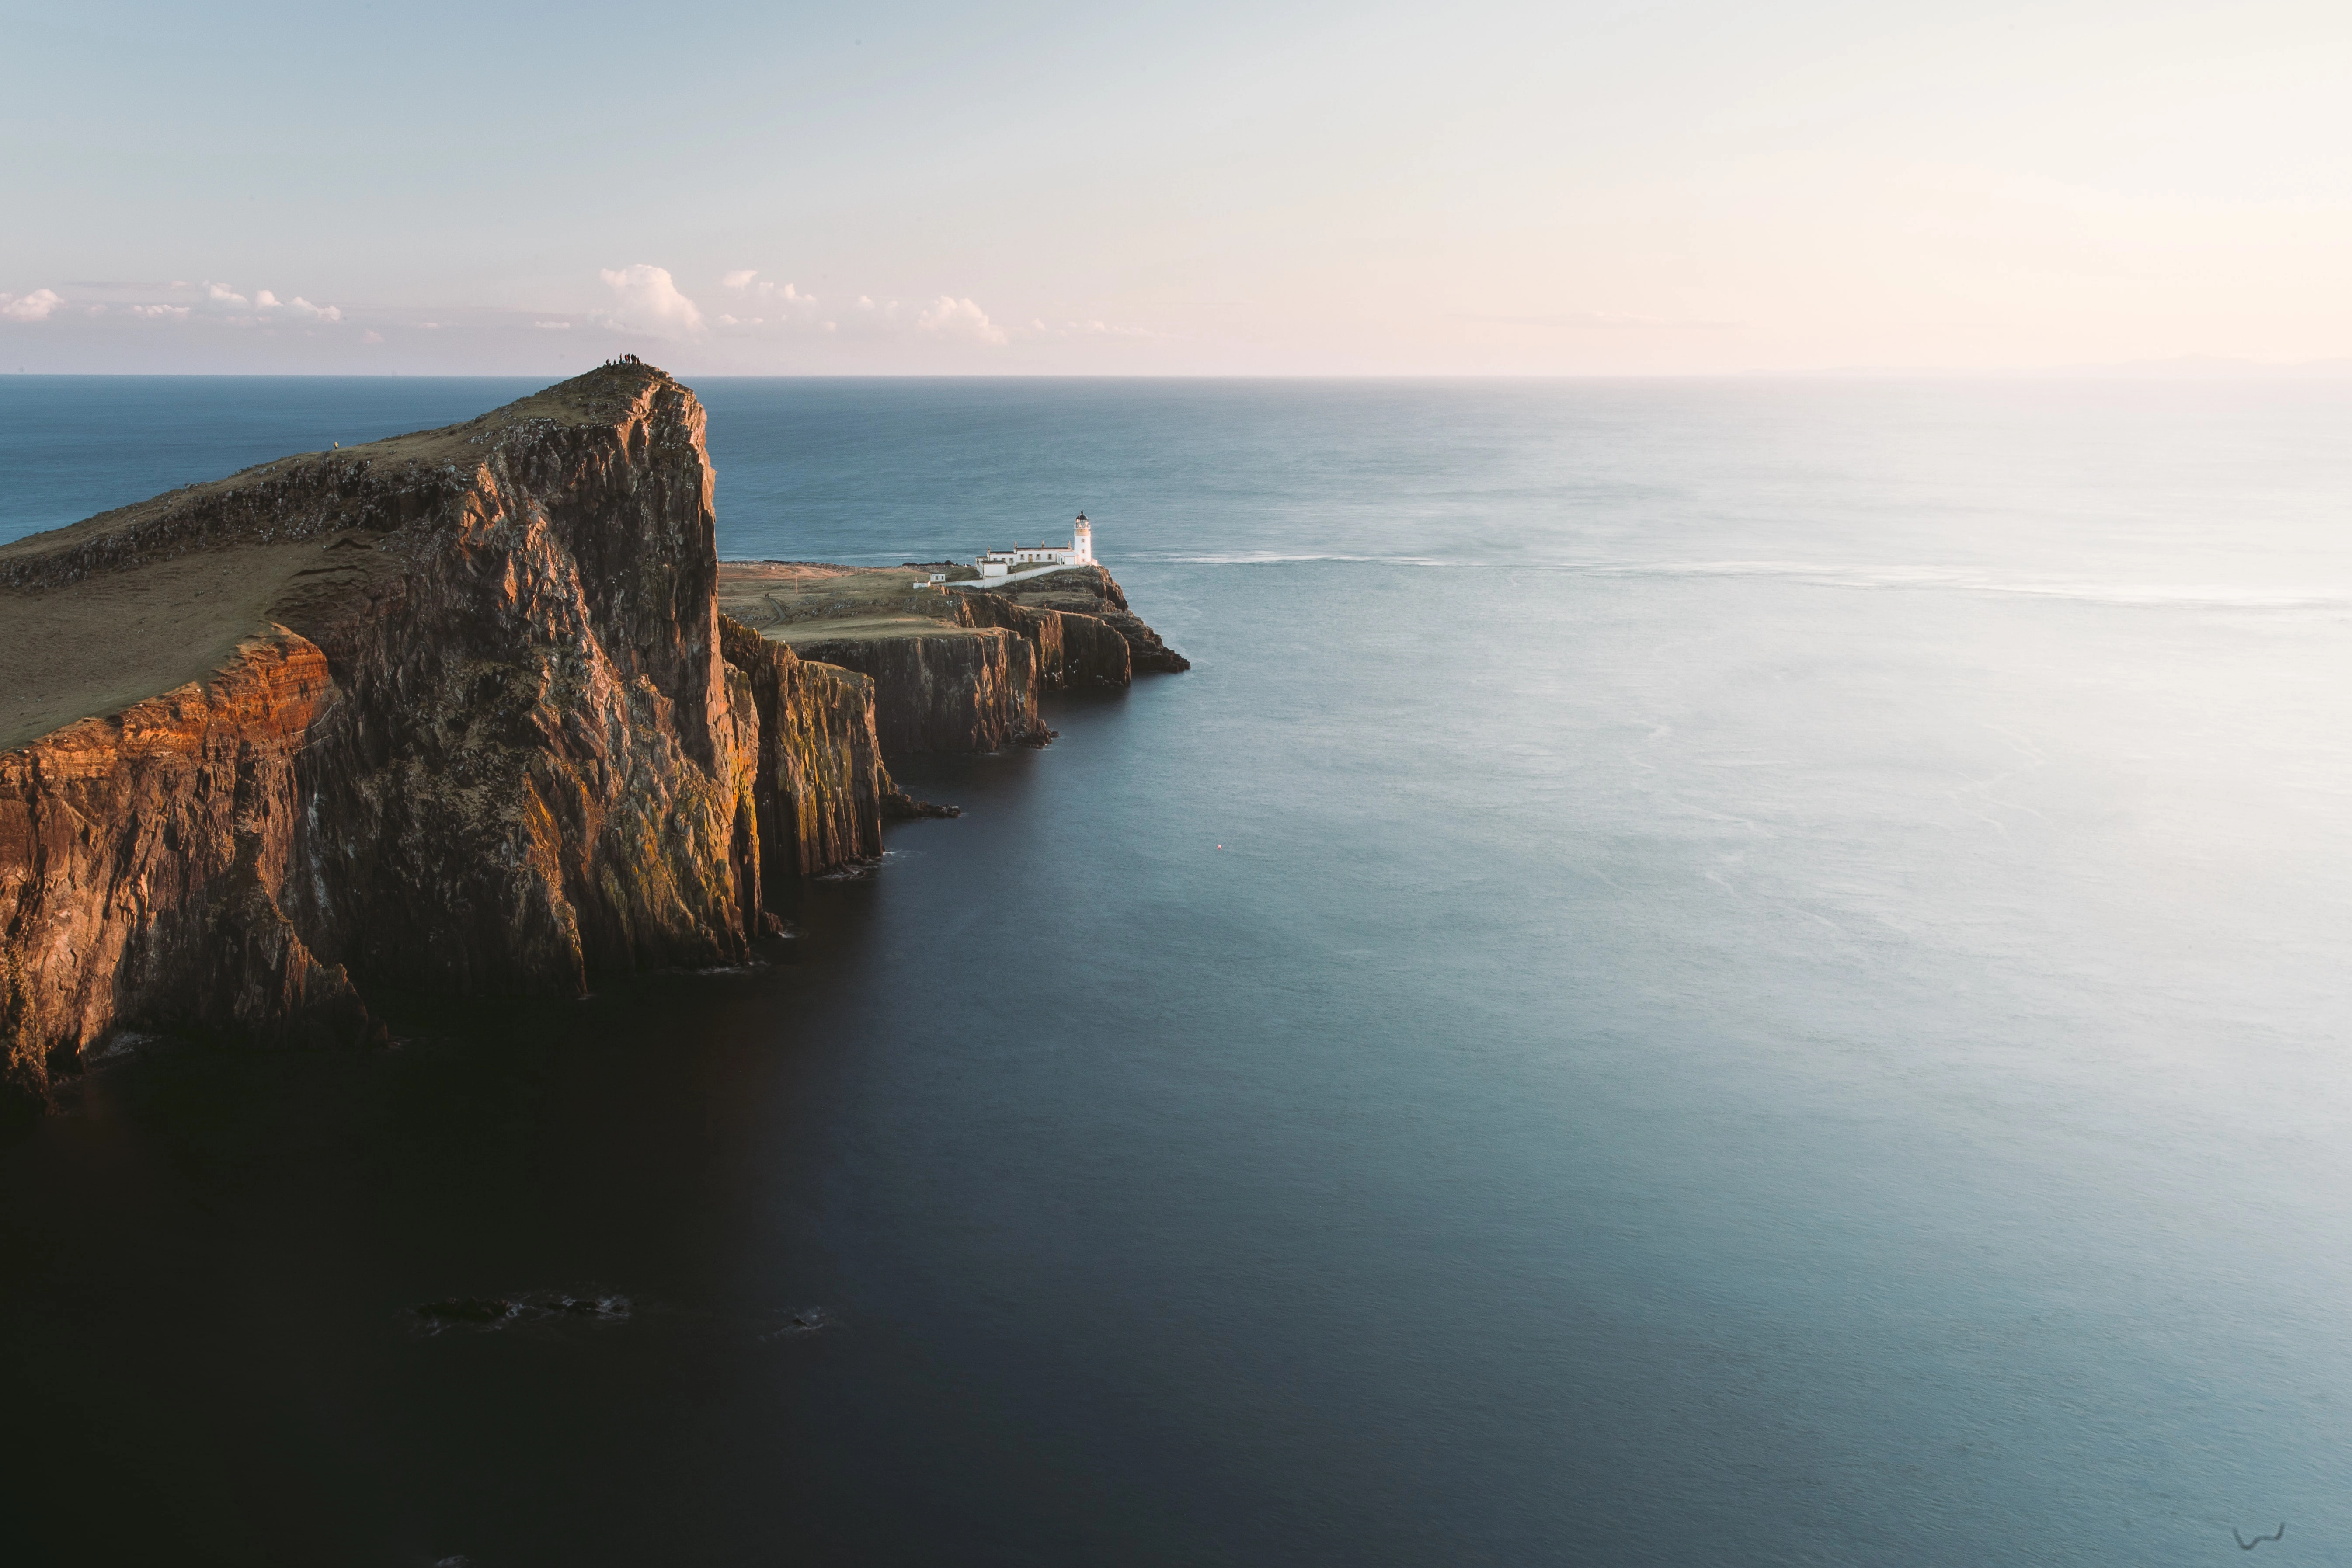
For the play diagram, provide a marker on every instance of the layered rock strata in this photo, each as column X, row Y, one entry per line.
column 954, row 689
column 1066, row 650
column 456, row 712
column 819, row 789
column 140, row 857
column 1091, row 592
column 481, row 735
column 959, row 670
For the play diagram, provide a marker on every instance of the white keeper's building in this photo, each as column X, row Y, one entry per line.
column 1078, row 551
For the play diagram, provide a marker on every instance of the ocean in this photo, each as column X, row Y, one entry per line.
column 1713, row 972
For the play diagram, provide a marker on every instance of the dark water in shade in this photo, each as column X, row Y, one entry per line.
column 1699, row 974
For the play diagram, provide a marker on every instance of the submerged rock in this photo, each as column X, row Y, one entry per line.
column 466, row 1310
column 900, row 806
column 492, row 1311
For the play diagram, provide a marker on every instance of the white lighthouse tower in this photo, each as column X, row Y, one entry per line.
column 1082, row 542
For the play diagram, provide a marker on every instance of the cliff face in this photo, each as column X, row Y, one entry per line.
column 458, row 713
column 959, row 670
column 818, row 785
column 1066, row 650
column 483, row 739
column 139, row 862
column 538, row 773
column 1091, row 592
column 951, row 690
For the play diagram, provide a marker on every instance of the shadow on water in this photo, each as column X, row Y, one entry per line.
column 250, row 1314
column 544, row 1281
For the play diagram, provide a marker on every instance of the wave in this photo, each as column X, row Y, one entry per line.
column 1917, row 579
column 1271, row 558
column 2158, row 595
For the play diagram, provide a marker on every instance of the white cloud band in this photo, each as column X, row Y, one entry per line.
column 36, row 306
column 649, row 303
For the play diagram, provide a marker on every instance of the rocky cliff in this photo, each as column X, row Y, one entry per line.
column 959, row 670
column 819, row 789
column 140, row 860
column 1066, row 650
column 1091, row 592
column 944, row 688
column 460, row 719
column 456, row 712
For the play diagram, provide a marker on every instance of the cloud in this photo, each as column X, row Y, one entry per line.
column 954, row 317
column 649, row 304
column 545, row 326
column 782, row 307
column 1611, row 320
column 160, row 312
column 771, row 309
column 789, row 305
column 1037, row 328
column 263, row 300
column 222, row 294
column 371, row 336
column 33, row 307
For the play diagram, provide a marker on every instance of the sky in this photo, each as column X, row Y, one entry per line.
column 1684, row 187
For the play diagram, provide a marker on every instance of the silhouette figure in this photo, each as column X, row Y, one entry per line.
column 2246, row 1545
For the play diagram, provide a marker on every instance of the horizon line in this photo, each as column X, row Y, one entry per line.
column 2180, row 368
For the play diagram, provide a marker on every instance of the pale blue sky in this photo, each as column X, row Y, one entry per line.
column 1322, row 189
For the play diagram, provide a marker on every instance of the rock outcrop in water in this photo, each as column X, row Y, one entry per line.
column 1067, row 649
column 959, row 670
column 1090, row 593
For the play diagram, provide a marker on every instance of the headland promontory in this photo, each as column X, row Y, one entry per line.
column 473, row 711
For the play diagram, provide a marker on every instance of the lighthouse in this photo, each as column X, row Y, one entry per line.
column 1029, row 560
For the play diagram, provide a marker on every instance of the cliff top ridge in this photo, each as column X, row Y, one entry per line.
column 137, row 601
column 805, row 601
column 604, row 396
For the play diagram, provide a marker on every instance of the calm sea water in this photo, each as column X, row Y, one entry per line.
column 1699, row 974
